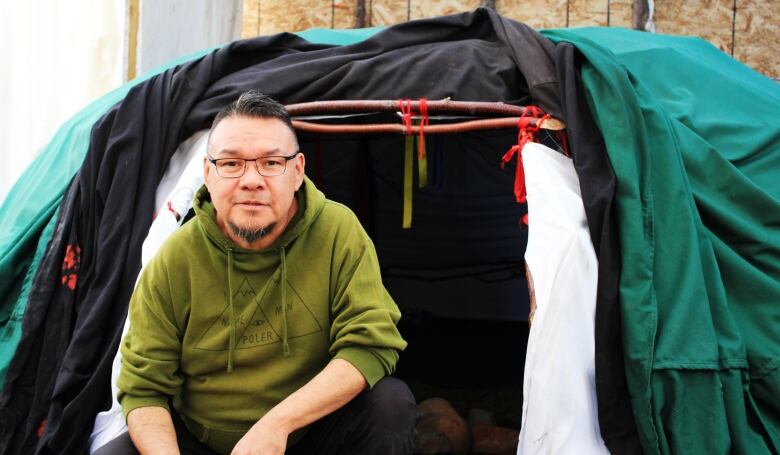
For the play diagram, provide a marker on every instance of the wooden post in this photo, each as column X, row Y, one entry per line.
column 640, row 15
column 360, row 13
column 132, row 38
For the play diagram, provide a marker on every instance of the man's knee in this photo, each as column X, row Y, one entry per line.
column 391, row 404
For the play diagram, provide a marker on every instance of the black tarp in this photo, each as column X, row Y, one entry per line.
column 476, row 56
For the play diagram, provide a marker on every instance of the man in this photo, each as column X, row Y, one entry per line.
column 262, row 325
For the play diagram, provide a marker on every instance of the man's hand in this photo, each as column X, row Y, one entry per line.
column 332, row 388
column 262, row 439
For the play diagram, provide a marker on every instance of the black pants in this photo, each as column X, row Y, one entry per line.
column 379, row 421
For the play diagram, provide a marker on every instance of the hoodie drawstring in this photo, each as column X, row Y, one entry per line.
column 232, row 342
column 285, row 345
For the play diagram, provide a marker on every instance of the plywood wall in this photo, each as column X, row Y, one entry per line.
column 537, row 13
column 709, row 19
column 757, row 35
column 747, row 29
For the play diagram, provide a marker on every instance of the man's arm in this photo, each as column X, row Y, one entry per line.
column 151, row 353
column 337, row 384
column 151, row 430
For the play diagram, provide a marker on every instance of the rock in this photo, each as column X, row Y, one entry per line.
column 481, row 416
column 493, row 440
column 441, row 430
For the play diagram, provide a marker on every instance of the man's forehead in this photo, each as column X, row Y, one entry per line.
column 260, row 152
column 259, row 136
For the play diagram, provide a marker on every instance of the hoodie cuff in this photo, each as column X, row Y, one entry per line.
column 130, row 403
column 365, row 361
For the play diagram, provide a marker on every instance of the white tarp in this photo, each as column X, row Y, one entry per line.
column 559, row 393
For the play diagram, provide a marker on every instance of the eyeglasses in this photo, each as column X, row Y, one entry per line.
column 267, row 166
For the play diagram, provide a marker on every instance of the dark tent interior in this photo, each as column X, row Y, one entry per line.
column 457, row 273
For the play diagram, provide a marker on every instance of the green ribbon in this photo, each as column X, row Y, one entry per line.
column 412, row 144
column 408, row 173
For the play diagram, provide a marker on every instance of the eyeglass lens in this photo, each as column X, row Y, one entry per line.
column 268, row 166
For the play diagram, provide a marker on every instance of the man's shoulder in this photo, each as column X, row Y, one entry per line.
column 340, row 224
column 338, row 216
column 337, row 209
column 182, row 242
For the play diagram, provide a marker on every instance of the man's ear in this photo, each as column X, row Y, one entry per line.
column 300, row 167
column 206, row 170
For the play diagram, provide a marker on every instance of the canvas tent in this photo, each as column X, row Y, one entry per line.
column 676, row 147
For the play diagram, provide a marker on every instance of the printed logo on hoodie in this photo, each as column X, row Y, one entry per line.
column 258, row 318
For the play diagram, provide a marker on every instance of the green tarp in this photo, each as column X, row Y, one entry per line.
column 694, row 140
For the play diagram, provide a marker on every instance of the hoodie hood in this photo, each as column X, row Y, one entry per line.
column 310, row 204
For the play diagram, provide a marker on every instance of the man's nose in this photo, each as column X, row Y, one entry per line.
column 252, row 176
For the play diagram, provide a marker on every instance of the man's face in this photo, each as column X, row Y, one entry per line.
column 253, row 210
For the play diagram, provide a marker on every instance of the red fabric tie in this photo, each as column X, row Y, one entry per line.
column 405, row 107
column 526, row 133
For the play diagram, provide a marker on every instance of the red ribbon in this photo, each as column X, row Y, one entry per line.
column 526, row 133
column 405, row 106
column 406, row 114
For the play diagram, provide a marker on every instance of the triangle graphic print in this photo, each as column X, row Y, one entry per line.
column 258, row 319
column 217, row 336
column 245, row 290
column 266, row 324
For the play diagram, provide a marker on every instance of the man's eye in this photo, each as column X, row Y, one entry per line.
column 272, row 163
column 230, row 163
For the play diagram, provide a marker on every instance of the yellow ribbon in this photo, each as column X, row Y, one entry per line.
column 408, row 173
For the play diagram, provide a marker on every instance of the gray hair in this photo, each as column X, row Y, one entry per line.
column 254, row 104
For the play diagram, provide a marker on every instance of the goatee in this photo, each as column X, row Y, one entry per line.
column 251, row 235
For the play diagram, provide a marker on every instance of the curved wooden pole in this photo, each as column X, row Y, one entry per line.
column 397, row 128
column 439, row 106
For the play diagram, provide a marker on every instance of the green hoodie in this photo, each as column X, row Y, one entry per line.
column 211, row 327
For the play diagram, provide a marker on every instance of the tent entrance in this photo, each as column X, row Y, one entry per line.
column 457, row 273
column 454, row 264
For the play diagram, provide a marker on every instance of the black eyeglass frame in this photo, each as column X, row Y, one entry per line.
column 286, row 158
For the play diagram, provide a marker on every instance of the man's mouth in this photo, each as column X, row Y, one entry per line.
column 252, row 204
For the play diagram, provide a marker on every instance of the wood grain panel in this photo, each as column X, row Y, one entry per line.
column 388, row 12
column 756, row 30
column 294, row 15
column 250, row 20
column 344, row 13
column 709, row 19
column 133, row 10
column 421, row 9
column 536, row 13
column 757, row 35
column 620, row 13
column 588, row 13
